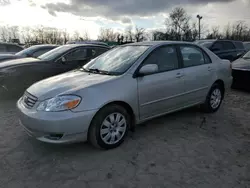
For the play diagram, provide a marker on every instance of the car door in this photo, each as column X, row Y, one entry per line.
column 217, row 48
column 230, row 51
column 198, row 71
column 224, row 50
column 162, row 91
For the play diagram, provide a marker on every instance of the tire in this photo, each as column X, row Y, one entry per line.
column 106, row 120
column 216, row 92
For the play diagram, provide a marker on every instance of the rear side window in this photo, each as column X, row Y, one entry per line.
column 239, row 45
column 228, row 45
column 3, row 48
column 40, row 52
column 218, row 46
column 193, row 56
column 77, row 54
column 98, row 51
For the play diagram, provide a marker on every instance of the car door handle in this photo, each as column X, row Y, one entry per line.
column 209, row 68
column 179, row 75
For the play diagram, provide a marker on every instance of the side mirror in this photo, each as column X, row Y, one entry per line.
column 63, row 59
column 148, row 69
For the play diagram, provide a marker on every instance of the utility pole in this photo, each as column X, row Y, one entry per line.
column 199, row 18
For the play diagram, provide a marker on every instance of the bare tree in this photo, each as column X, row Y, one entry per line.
column 26, row 34
column 215, row 33
column 139, row 34
column 65, row 36
column 179, row 21
column 76, row 35
column 14, row 32
column 107, row 34
column 85, row 36
column 129, row 35
column 4, row 33
column 238, row 30
column 227, row 31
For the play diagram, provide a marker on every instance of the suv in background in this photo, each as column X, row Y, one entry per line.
column 247, row 45
column 9, row 48
column 225, row 49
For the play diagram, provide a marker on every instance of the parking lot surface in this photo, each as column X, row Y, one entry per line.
column 183, row 149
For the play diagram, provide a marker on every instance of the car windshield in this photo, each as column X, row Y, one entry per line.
column 55, row 53
column 116, row 61
column 247, row 55
column 26, row 52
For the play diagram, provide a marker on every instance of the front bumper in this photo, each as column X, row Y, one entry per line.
column 55, row 127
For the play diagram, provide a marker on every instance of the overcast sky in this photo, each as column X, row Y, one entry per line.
column 91, row 15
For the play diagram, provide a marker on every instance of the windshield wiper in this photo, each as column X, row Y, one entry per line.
column 100, row 71
column 96, row 71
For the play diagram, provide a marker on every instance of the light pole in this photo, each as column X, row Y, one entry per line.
column 199, row 18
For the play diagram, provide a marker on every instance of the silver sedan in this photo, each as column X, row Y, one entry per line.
column 123, row 87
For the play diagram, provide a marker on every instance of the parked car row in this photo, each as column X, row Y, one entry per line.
column 18, row 74
column 33, row 51
column 109, row 91
column 225, row 49
column 238, row 53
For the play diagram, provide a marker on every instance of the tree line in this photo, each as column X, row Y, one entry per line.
column 39, row 35
column 178, row 26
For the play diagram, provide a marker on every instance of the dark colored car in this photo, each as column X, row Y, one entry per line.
column 33, row 51
column 16, row 75
column 9, row 48
column 247, row 45
column 225, row 49
column 241, row 72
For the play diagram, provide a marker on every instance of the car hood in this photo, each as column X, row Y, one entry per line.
column 16, row 62
column 241, row 63
column 66, row 83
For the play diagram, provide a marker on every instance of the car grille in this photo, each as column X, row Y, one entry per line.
column 29, row 100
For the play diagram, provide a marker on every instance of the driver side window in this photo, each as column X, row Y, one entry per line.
column 78, row 54
column 165, row 57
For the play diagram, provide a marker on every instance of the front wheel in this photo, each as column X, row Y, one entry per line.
column 109, row 127
column 214, row 99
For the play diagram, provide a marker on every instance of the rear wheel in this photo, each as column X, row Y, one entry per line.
column 109, row 127
column 214, row 99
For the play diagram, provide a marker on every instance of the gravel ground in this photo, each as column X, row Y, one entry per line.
column 184, row 149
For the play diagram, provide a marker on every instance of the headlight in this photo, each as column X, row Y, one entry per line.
column 60, row 103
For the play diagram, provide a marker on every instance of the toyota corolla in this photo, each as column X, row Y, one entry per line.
column 123, row 87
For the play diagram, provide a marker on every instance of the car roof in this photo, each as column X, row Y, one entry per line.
column 156, row 43
column 87, row 42
column 13, row 44
column 79, row 45
column 46, row 45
